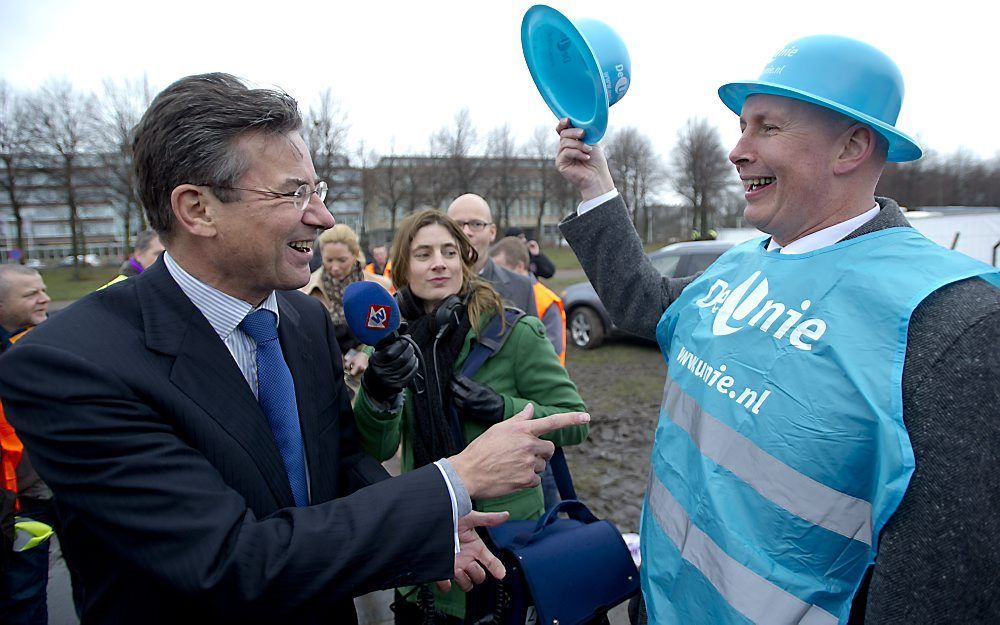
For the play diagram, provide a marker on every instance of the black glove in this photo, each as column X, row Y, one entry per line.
column 475, row 401
column 390, row 369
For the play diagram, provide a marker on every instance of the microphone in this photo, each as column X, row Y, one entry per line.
column 370, row 311
column 373, row 316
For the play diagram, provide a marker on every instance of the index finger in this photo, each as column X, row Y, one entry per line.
column 544, row 425
column 492, row 564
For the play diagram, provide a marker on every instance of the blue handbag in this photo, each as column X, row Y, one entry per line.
column 560, row 571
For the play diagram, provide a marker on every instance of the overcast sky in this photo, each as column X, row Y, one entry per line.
column 403, row 69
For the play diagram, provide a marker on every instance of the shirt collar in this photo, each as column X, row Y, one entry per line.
column 825, row 237
column 224, row 312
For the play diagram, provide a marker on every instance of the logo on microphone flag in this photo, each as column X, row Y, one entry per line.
column 378, row 317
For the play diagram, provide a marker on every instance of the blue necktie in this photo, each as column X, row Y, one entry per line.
column 276, row 395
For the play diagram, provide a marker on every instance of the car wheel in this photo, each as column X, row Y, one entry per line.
column 585, row 328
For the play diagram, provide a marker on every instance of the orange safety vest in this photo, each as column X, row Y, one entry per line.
column 387, row 273
column 13, row 449
column 12, row 452
column 370, row 268
column 545, row 297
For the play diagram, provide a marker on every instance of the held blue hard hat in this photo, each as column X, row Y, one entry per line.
column 838, row 73
column 580, row 67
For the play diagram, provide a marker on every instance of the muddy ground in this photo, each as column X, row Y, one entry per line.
column 622, row 383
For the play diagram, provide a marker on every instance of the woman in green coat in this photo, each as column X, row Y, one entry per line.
column 446, row 306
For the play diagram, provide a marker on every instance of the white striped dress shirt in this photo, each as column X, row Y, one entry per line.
column 224, row 314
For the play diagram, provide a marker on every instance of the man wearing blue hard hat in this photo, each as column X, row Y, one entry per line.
column 828, row 448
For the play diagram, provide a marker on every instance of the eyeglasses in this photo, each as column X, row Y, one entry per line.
column 473, row 224
column 300, row 197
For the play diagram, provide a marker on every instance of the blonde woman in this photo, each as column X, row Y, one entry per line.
column 342, row 265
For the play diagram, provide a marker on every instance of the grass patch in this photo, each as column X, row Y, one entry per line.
column 565, row 258
column 558, row 283
column 562, row 257
column 62, row 287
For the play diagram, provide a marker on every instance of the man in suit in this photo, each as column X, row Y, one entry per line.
column 193, row 422
column 473, row 214
column 788, row 455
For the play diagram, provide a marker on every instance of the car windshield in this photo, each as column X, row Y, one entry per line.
column 666, row 264
column 700, row 262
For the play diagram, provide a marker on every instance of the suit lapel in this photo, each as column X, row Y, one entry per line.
column 206, row 372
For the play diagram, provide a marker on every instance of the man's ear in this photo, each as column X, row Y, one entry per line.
column 858, row 143
column 192, row 208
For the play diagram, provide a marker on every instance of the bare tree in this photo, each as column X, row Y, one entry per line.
column 701, row 170
column 637, row 172
column 455, row 146
column 64, row 126
column 391, row 185
column 15, row 142
column 121, row 107
column 426, row 182
column 325, row 130
column 367, row 161
column 429, row 182
column 960, row 179
column 505, row 185
column 547, row 186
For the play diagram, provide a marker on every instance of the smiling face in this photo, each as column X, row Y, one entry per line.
column 262, row 243
column 435, row 265
column 25, row 302
column 785, row 158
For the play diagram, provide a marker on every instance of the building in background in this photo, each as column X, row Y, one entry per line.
column 45, row 211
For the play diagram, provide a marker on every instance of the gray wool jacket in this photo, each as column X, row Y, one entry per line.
column 939, row 553
column 515, row 289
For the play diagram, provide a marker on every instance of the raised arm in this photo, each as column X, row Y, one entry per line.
column 606, row 243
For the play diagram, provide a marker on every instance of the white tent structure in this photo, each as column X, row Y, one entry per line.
column 971, row 230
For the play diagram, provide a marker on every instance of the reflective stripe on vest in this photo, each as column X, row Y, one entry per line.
column 545, row 297
column 781, row 450
column 114, row 280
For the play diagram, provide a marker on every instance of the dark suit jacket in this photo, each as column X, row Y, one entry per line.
column 515, row 289
column 173, row 495
column 938, row 553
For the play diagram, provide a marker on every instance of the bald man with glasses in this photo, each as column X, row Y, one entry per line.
column 473, row 214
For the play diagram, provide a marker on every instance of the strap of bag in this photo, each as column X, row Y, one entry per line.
column 490, row 342
column 560, row 470
column 573, row 509
column 491, row 339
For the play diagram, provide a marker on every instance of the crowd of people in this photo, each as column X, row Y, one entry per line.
column 205, row 433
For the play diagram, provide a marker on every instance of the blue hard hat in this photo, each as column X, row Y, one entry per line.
column 838, row 73
column 580, row 67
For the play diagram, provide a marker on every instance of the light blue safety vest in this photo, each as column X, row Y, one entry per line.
column 781, row 450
